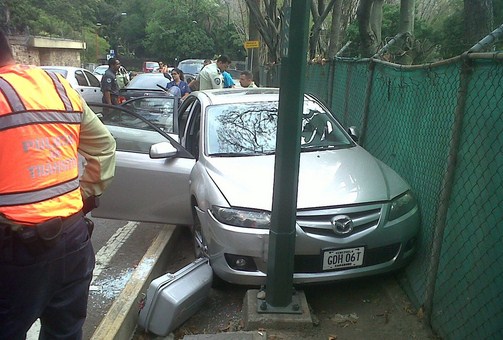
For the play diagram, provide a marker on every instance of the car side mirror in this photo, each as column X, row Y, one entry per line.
column 162, row 150
column 354, row 133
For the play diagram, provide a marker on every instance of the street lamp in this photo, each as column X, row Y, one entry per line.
column 98, row 25
column 117, row 38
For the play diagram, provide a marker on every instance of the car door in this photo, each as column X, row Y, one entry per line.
column 144, row 188
column 88, row 92
column 92, row 89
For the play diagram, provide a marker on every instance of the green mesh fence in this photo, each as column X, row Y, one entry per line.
column 410, row 125
column 469, row 287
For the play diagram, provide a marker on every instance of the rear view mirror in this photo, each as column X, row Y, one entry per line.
column 354, row 133
column 162, row 150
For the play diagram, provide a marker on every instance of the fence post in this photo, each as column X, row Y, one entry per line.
column 368, row 94
column 349, row 75
column 447, row 184
column 331, row 77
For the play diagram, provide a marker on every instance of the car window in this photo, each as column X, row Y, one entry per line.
column 250, row 129
column 81, row 78
column 193, row 67
column 148, row 81
column 100, row 70
column 160, row 111
column 131, row 133
column 93, row 81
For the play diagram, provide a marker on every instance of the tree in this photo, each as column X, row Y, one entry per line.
column 335, row 30
column 269, row 25
column 369, row 24
column 407, row 15
column 478, row 16
column 319, row 12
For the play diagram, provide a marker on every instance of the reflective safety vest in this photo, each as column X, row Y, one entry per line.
column 40, row 116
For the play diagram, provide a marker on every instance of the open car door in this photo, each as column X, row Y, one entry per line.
column 151, row 182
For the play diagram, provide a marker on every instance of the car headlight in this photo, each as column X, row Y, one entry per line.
column 402, row 205
column 242, row 218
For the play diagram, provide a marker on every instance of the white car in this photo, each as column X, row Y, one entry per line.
column 215, row 170
column 99, row 71
column 123, row 77
column 81, row 80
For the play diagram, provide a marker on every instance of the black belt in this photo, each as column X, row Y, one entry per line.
column 42, row 235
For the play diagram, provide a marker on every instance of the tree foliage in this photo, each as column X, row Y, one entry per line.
column 178, row 29
column 153, row 29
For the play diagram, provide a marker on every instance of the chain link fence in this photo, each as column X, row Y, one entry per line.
column 440, row 126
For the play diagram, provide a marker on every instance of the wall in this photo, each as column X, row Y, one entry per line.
column 46, row 51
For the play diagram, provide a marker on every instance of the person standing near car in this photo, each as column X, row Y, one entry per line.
column 246, row 79
column 228, row 81
column 46, row 256
column 179, row 80
column 211, row 77
column 109, row 85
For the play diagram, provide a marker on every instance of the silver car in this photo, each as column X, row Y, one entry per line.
column 83, row 81
column 215, row 171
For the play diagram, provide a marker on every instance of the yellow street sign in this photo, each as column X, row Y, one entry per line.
column 252, row 44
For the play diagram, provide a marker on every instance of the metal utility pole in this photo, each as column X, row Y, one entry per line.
column 279, row 284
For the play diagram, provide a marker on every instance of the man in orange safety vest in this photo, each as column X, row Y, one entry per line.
column 46, row 256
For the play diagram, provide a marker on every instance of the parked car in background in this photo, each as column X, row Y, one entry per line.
column 191, row 68
column 144, row 84
column 81, row 80
column 99, row 71
column 215, row 171
column 150, row 66
column 123, row 76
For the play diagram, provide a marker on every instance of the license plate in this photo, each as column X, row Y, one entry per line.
column 343, row 258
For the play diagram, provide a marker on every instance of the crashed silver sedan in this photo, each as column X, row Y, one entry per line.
column 214, row 172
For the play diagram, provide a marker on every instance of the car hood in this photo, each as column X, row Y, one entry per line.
column 326, row 178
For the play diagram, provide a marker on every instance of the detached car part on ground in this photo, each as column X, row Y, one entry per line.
column 214, row 171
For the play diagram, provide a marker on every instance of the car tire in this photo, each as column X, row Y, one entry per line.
column 201, row 249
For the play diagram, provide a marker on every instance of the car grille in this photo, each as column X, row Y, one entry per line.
column 317, row 222
column 373, row 256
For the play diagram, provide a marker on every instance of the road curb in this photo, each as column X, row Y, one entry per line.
column 121, row 319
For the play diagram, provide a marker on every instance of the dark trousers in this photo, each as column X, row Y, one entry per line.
column 52, row 286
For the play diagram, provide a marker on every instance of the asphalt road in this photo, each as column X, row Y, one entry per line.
column 119, row 247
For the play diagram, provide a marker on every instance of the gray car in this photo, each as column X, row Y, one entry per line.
column 214, row 172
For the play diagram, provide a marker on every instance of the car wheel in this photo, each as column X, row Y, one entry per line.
column 201, row 250
column 200, row 247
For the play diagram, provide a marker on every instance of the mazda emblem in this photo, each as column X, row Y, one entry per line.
column 341, row 224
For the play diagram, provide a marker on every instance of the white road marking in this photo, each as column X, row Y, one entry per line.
column 103, row 257
column 105, row 254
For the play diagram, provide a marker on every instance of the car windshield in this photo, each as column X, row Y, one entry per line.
column 192, row 68
column 148, row 81
column 246, row 129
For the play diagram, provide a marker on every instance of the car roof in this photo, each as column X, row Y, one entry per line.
column 238, row 95
column 68, row 68
column 192, row 61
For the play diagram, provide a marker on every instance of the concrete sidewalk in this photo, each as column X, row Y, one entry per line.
column 120, row 321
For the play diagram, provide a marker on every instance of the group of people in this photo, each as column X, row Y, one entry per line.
column 46, row 255
column 215, row 76
column 211, row 76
